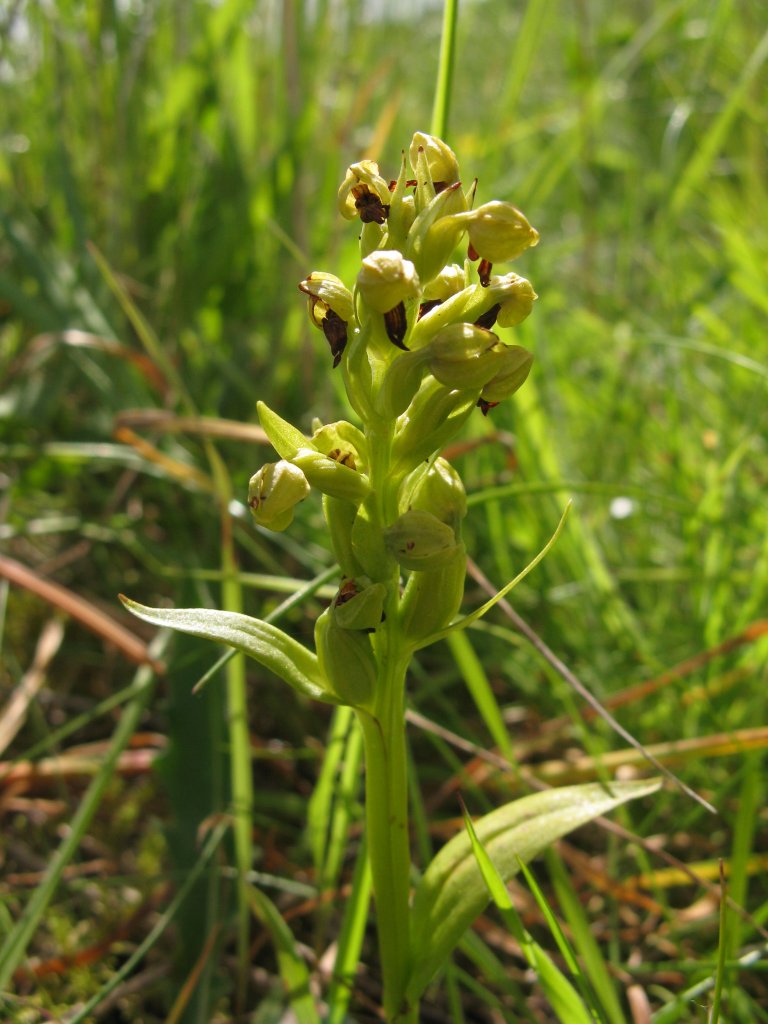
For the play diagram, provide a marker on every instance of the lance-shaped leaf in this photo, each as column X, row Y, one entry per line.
column 452, row 891
column 263, row 642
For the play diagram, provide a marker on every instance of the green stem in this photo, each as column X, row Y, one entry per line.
column 386, row 767
column 386, row 799
column 241, row 778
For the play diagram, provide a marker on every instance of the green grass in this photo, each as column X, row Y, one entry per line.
column 197, row 148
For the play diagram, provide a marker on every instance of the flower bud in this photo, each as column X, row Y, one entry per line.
column 432, row 599
column 435, row 487
column 418, row 540
column 386, row 279
column 331, row 477
column 515, row 296
column 273, row 493
column 464, row 356
column 515, row 366
column 441, row 160
column 346, row 660
column 448, row 282
column 364, row 193
column 436, row 232
column 360, row 607
column 343, row 442
column 499, row 232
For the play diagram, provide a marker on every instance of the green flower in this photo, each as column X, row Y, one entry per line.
column 364, row 194
column 440, row 159
column 498, row 232
column 515, row 296
column 464, row 356
column 331, row 307
column 386, row 279
column 273, row 493
column 386, row 282
column 515, row 365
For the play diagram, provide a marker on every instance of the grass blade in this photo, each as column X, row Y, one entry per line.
column 16, row 942
column 563, row 998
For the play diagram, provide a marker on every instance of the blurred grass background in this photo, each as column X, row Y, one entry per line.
column 168, row 174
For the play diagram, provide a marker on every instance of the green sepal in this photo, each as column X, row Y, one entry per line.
column 372, row 236
column 363, row 610
column 435, row 234
column 464, row 356
column 340, row 516
column 419, row 541
column 402, row 211
column 433, row 418
column 452, row 891
column 431, row 599
column 432, row 158
column 331, row 477
column 513, row 294
column 437, row 487
column 515, row 365
column 260, row 640
column 368, row 546
column 402, row 379
column 346, row 660
column 356, row 369
column 284, row 437
column 273, row 493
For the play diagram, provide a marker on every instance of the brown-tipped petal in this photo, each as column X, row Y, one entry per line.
column 335, row 331
column 364, row 193
column 484, row 269
column 396, row 325
column 488, row 319
column 369, row 206
column 485, row 407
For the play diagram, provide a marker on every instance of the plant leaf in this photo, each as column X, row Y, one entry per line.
column 452, row 891
column 260, row 640
column 293, row 970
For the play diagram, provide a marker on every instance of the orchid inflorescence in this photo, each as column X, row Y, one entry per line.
column 414, row 342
